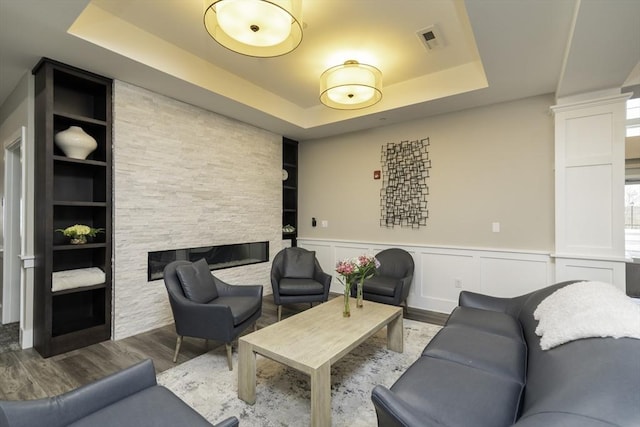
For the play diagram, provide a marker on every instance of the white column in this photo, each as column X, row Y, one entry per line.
column 589, row 185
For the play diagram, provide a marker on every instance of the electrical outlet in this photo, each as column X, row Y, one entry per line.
column 457, row 283
column 325, row 223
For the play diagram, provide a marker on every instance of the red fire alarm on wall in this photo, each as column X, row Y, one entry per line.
column 376, row 174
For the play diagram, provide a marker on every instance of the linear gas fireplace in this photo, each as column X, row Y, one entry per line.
column 218, row 257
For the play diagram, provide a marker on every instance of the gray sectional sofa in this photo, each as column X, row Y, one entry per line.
column 486, row 368
column 130, row 397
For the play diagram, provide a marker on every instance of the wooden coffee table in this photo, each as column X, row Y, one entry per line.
column 311, row 341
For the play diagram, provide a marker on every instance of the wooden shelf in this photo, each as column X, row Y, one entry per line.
column 79, row 247
column 290, row 188
column 81, row 204
column 79, row 161
column 71, row 191
column 80, row 119
column 80, row 289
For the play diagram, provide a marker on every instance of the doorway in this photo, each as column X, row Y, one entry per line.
column 13, row 229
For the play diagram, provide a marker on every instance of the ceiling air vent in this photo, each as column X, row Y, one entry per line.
column 431, row 38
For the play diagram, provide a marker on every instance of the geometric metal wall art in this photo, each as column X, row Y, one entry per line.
column 403, row 197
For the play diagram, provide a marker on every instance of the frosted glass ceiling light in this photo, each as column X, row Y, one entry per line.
column 261, row 28
column 351, row 86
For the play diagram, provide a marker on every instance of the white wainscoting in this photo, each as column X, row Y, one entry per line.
column 608, row 271
column 504, row 273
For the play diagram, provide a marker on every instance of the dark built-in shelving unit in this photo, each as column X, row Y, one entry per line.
column 67, row 192
column 290, row 188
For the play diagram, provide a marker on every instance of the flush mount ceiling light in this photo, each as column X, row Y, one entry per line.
column 351, row 86
column 261, row 28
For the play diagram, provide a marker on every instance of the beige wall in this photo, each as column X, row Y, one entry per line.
column 632, row 147
column 489, row 164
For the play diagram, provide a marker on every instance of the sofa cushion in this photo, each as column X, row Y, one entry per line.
column 597, row 378
column 197, row 282
column 152, row 407
column 381, row 285
column 458, row 395
column 300, row 287
column 299, row 264
column 488, row 321
column 489, row 352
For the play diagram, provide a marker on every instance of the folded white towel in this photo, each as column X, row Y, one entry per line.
column 70, row 279
column 585, row 310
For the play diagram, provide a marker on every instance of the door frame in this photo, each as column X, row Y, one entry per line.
column 13, row 228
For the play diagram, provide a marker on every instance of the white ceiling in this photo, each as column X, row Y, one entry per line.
column 493, row 51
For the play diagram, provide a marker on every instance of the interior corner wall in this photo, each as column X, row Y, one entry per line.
column 488, row 164
column 16, row 112
column 185, row 177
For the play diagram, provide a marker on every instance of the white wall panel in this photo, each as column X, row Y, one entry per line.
column 436, row 287
column 588, row 137
column 589, row 182
column 589, row 212
column 598, row 270
column 437, row 269
column 509, row 276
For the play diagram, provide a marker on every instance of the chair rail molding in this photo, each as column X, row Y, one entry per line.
column 441, row 272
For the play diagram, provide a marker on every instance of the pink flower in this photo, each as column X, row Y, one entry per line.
column 345, row 267
column 357, row 269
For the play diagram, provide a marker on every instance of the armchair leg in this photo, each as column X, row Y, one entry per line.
column 178, row 344
column 255, row 326
column 279, row 312
column 229, row 360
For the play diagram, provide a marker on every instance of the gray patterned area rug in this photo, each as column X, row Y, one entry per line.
column 282, row 393
column 9, row 337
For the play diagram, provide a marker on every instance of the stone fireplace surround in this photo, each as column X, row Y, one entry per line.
column 185, row 177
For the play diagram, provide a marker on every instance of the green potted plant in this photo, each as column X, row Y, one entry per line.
column 79, row 233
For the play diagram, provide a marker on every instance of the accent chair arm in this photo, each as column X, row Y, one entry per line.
column 69, row 407
column 324, row 278
column 225, row 289
column 406, row 285
column 194, row 319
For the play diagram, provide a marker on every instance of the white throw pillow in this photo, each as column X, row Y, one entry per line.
column 585, row 310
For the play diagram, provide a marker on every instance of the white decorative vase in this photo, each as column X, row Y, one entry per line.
column 75, row 142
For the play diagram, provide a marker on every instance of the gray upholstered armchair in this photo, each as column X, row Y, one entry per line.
column 391, row 281
column 206, row 307
column 296, row 276
column 128, row 397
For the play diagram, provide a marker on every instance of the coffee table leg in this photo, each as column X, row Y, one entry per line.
column 246, row 372
column 395, row 335
column 321, row 396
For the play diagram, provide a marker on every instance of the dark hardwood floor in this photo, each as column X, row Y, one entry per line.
column 24, row 374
